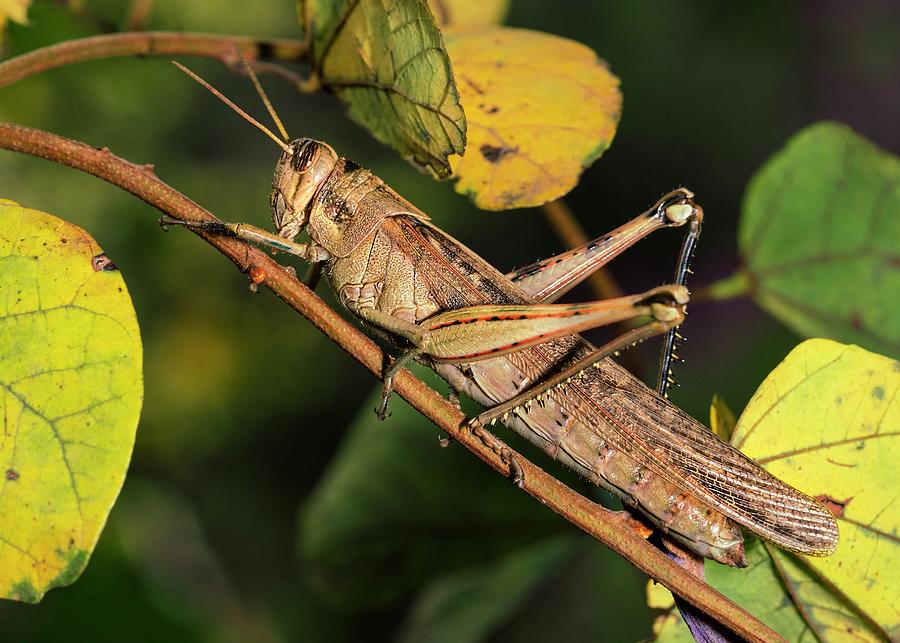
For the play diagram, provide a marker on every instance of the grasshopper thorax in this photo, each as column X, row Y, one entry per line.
column 302, row 169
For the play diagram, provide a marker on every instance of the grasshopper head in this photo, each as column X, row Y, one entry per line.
column 301, row 170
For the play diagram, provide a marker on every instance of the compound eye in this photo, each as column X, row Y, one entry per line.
column 305, row 157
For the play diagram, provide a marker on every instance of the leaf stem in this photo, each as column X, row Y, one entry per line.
column 150, row 43
column 736, row 285
column 616, row 529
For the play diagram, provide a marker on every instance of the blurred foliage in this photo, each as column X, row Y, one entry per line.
column 364, row 548
column 70, row 397
column 246, row 404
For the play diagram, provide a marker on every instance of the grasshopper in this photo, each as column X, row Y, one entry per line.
column 501, row 340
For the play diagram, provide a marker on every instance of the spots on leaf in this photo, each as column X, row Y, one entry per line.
column 494, row 154
column 76, row 560
column 834, row 505
column 24, row 591
column 12, row 475
column 475, row 87
column 878, row 392
column 102, row 262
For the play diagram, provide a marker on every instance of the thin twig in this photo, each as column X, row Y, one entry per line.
column 162, row 43
column 615, row 529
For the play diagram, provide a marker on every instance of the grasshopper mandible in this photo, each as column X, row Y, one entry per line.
column 501, row 340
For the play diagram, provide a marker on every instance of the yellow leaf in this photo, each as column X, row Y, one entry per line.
column 15, row 10
column 539, row 109
column 468, row 13
column 827, row 420
column 668, row 626
column 70, row 397
column 721, row 418
column 658, row 597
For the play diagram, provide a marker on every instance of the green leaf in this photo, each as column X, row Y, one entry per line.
column 394, row 510
column 70, row 397
column 826, row 421
column 469, row 605
column 820, row 236
column 386, row 60
column 564, row 588
column 757, row 587
column 540, row 110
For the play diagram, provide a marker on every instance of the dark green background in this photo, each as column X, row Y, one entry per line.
column 246, row 404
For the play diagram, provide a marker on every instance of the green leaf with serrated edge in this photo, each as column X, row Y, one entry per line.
column 70, row 397
column 386, row 60
column 394, row 509
column 469, row 605
column 826, row 421
column 820, row 238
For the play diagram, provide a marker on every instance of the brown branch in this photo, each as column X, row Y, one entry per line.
column 151, row 43
column 615, row 529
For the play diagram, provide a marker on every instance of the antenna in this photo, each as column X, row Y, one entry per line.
column 265, row 98
column 215, row 92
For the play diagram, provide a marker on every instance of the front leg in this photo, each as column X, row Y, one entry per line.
column 311, row 252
